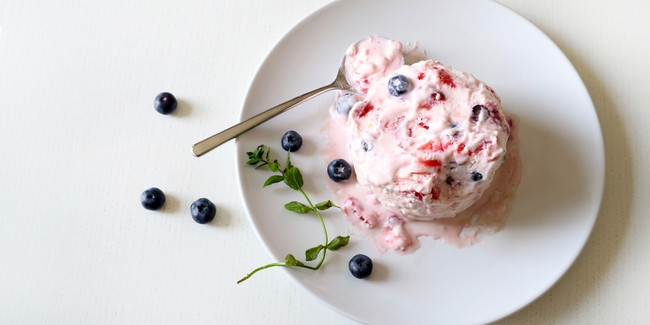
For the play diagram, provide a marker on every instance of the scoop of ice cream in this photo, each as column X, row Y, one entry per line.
column 428, row 146
column 426, row 139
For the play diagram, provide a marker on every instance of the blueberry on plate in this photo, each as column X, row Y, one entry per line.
column 398, row 85
column 360, row 266
column 203, row 210
column 339, row 170
column 165, row 103
column 152, row 199
column 291, row 141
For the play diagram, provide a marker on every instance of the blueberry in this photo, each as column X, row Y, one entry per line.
column 291, row 141
column 476, row 112
column 398, row 85
column 456, row 132
column 476, row 176
column 366, row 146
column 449, row 180
column 360, row 266
column 345, row 102
column 152, row 199
column 339, row 170
column 165, row 103
column 203, row 210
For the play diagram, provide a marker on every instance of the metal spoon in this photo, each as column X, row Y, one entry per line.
column 202, row 147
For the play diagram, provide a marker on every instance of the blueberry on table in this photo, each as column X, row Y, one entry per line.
column 360, row 266
column 152, row 199
column 291, row 141
column 398, row 85
column 165, row 103
column 203, row 210
column 339, row 170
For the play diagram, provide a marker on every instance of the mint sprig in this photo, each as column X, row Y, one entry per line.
column 292, row 177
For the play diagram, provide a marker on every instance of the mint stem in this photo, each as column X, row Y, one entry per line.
column 322, row 222
column 293, row 179
column 260, row 269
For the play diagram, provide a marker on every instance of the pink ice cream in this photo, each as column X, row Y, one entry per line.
column 428, row 157
column 371, row 59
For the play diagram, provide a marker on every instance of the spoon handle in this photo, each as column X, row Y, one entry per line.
column 202, row 147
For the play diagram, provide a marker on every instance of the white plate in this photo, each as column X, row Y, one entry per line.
column 561, row 149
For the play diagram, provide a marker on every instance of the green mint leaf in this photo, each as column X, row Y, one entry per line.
column 274, row 166
column 257, row 154
column 312, row 253
column 325, row 205
column 338, row 242
column 273, row 179
column 293, row 178
column 254, row 157
column 298, row 207
column 292, row 261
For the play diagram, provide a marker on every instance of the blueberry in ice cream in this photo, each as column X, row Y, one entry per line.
column 398, row 85
column 345, row 102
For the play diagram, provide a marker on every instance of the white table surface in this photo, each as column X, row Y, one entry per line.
column 80, row 141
